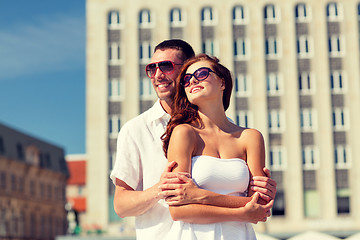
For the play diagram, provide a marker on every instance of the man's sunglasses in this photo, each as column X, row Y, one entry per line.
column 200, row 75
column 167, row 67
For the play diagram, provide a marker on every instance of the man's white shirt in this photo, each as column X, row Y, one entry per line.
column 140, row 161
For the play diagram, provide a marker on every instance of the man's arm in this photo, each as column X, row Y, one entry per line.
column 128, row 202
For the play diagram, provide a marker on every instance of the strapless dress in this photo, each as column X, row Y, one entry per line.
column 223, row 176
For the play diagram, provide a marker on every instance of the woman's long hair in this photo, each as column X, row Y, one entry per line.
column 182, row 111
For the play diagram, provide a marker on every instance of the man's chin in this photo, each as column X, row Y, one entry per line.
column 166, row 96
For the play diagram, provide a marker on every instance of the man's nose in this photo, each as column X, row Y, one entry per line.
column 158, row 73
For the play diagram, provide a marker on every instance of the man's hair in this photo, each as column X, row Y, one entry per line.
column 178, row 44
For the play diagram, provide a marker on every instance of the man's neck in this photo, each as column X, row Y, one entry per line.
column 166, row 106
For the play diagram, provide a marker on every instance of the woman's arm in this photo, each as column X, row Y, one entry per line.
column 206, row 214
column 181, row 149
column 255, row 155
column 186, row 192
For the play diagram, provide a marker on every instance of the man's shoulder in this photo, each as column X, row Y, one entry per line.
column 142, row 119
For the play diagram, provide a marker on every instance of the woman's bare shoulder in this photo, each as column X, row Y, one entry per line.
column 251, row 132
column 252, row 136
column 185, row 130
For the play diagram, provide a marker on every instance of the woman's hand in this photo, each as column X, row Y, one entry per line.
column 255, row 212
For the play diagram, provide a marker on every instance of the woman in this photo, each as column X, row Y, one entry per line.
column 220, row 155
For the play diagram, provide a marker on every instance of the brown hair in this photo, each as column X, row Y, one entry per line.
column 186, row 50
column 182, row 111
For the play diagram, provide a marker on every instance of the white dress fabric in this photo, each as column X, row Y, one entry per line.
column 223, row 176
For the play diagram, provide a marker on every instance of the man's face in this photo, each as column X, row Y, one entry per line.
column 164, row 83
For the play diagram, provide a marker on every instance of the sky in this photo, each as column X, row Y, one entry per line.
column 42, row 70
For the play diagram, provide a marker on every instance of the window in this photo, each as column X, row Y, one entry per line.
column 2, row 147
column 312, row 203
column 47, row 160
column 145, row 52
column 277, row 158
column 114, row 125
column 145, row 18
column 241, row 49
column 334, row 12
column 276, row 121
column 342, row 157
column 13, row 182
column 239, row 15
column 242, row 85
column 32, row 188
column 210, row 47
column 244, row 119
column 177, row 17
column 114, row 20
column 337, row 82
column 310, row 159
column 279, row 204
column 114, row 53
column 336, row 46
column 302, row 13
column 3, row 222
column 116, row 89
column 306, row 83
column 20, row 151
column 343, row 201
column 271, row 14
column 272, row 48
column 307, row 120
column 21, row 185
column 274, row 84
column 80, row 190
column 207, row 16
column 304, row 46
column 3, row 180
column 340, row 119
column 147, row 91
column 112, row 159
column 49, row 191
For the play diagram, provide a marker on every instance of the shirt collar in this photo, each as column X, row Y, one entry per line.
column 158, row 112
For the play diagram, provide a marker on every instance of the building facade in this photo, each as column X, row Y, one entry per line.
column 76, row 192
column 296, row 79
column 33, row 177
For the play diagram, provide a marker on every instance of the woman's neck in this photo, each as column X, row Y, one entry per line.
column 213, row 116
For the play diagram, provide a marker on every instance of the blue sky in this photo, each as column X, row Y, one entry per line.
column 42, row 70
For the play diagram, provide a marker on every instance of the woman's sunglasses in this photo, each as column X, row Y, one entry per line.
column 167, row 67
column 200, row 75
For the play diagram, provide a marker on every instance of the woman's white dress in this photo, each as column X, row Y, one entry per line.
column 224, row 176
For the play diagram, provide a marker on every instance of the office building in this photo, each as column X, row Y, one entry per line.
column 296, row 79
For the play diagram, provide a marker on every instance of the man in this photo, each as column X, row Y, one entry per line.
column 139, row 174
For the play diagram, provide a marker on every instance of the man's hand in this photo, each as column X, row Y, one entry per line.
column 180, row 190
column 256, row 212
column 265, row 186
column 168, row 178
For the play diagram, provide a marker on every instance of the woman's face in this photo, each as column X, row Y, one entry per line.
column 204, row 84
